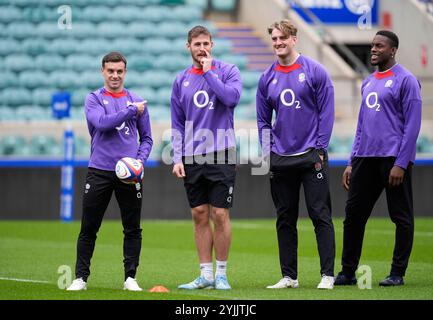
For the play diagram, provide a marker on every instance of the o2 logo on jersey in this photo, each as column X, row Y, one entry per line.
column 122, row 126
column 202, row 102
column 289, row 101
column 372, row 101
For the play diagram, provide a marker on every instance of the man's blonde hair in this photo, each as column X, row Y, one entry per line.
column 285, row 26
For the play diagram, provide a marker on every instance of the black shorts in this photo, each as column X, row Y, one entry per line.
column 210, row 184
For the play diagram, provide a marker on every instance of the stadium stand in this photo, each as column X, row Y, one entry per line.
column 39, row 59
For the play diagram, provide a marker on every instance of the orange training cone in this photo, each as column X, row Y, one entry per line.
column 159, row 289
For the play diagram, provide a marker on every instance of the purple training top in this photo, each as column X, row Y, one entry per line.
column 202, row 107
column 302, row 96
column 115, row 129
column 390, row 116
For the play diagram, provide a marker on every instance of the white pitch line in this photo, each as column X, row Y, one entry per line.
column 24, row 280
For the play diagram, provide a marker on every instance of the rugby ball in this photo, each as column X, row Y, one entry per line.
column 129, row 170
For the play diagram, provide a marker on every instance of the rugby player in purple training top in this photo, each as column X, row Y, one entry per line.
column 202, row 104
column 301, row 93
column 116, row 118
column 382, row 156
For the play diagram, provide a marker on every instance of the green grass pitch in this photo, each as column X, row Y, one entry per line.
column 34, row 250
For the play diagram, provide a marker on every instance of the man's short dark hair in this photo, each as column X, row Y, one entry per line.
column 393, row 39
column 113, row 57
column 198, row 30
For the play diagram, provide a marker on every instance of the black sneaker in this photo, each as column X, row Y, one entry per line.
column 391, row 281
column 342, row 280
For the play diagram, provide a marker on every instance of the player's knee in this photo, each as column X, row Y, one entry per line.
column 200, row 214
column 220, row 216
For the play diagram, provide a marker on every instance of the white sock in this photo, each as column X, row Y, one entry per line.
column 206, row 270
column 221, row 267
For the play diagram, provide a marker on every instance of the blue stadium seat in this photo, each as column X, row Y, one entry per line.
column 424, row 145
column 50, row 62
column 78, row 114
column 133, row 78
column 202, row 4
column 157, row 46
column 127, row 13
column 112, row 30
column 179, row 45
column 163, row 96
column 141, row 62
column 96, row 14
column 16, row 96
column 185, row 13
column 19, row 62
column 91, row 80
column 157, row 78
column 44, row 145
column 159, row 113
column 221, row 46
column 173, row 29
column 33, row 113
column 8, row 79
column 83, row 30
column 14, row 145
column 171, row 2
column 33, row 79
column 209, row 25
column 41, row 14
column 65, row 79
column 94, row 46
column 9, row 14
column 78, row 97
column 50, row 30
column 35, row 46
column 174, row 63
column 42, row 97
column 63, row 46
column 142, row 29
column 239, row 60
column 245, row 112
column 82, row 147
column 6, row 114
column 156, row 13
column 146, row 93
column 250, row 79
column 127, row 46
column 248, row 97
column 9, row 46
column 342, row 145
column 82, row 62
column 223, row 5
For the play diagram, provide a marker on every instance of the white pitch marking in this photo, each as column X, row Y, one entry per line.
column 24, row 280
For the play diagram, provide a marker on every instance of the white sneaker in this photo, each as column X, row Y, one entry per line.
column 285, row 282
column 77, row 285
column 131, row 285
column 327, row 282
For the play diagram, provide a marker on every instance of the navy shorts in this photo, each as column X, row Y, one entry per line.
column 210, row 184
